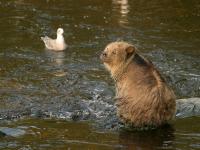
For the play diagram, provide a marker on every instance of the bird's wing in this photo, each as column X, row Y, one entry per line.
column 49, row 43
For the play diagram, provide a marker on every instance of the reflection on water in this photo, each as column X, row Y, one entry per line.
column 57, row 61
column 122, row 7
column 57, row 58
column 148, row 140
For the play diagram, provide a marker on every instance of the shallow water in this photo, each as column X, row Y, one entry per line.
column 73, row 85
column 58, row 134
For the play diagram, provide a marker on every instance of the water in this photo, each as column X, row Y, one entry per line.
column 73, row 85
column 58, row 134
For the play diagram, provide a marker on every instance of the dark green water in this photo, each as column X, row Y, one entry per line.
column 59, row 135
column 73, row 85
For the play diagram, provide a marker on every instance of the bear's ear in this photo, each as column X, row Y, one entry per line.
column 130, row 49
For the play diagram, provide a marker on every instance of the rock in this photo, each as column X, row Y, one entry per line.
column 2, row 134
column 187, row 107
column 14, row 132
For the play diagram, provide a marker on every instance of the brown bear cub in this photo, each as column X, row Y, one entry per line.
column 143, row 98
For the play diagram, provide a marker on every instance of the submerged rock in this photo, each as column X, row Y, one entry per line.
column 188, row 107
column 2, row 134
column 14, row 132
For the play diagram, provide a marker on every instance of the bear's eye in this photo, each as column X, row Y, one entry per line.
column 114, row 52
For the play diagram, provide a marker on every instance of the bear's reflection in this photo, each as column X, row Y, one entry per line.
column 147, row 140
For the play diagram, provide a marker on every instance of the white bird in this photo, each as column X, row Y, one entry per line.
column 57, row 44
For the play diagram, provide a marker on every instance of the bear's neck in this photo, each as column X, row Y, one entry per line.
column 118, row 72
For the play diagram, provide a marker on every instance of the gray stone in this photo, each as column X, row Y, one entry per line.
column 2, row 134
column 14, row 132
column 188, row 107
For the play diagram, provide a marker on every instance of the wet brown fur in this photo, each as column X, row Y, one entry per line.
column 143, row 98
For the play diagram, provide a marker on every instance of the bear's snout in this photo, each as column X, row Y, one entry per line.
column 103, row 56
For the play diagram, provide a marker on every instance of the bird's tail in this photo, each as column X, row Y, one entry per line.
column 42, row 38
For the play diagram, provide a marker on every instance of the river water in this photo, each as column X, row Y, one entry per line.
column 66, row 98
